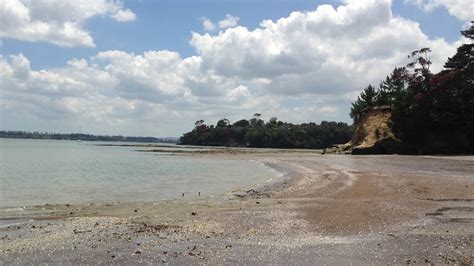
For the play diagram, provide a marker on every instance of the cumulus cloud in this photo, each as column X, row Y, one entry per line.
column 207, row 24
column 462, row 9
column 57, row 22
column 229, row 22
column 304, row 67
column 326, row 51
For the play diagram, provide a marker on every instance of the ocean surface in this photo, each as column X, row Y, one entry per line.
column 34, row 172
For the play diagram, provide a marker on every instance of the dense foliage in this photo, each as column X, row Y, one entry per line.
column 272, row 134
column 432, row 113
column 79, row 136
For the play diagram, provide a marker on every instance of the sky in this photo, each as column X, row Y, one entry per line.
column 152, row 68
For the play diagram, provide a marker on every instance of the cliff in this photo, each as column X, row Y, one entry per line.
column 373, row 135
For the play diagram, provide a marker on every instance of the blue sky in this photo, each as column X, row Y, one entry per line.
column 168, row 25
column 169, row 103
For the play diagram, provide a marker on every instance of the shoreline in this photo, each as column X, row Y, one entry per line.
column 332, row 209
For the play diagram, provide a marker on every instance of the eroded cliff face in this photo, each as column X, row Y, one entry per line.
column 373, row 135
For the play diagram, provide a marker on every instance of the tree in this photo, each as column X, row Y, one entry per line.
column 366, row 100
column 431, row 113
column 198, row 123
column 242, row 123
column 224, row 122
column 276, row 134
column 256, row 121
column 465, row 53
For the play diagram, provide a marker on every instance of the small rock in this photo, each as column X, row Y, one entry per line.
column 228, row 246
column 135, row 210
column 138, row 252
column 193, row 213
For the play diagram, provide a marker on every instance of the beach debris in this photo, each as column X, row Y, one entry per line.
column 135, row 210
column 193, row 213
column 228, row 246
column 81, row 231
column 138, row 252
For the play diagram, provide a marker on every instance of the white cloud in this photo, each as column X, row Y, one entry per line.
column 207, row 24
column 124, row 15
column 229, row 22
column 304, row 67
column 326, row 51
column 462, row 9
column 57, row 22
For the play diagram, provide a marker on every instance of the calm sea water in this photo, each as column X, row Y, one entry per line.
column 52, row 171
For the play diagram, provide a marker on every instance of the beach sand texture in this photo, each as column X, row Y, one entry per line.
column 329, row 209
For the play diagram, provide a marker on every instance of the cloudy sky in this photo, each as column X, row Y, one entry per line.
column 152, row 68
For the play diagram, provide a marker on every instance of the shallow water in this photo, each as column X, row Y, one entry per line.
column 51, row 171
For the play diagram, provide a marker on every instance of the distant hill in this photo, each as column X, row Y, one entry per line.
column 257, row 133
column 79, row 136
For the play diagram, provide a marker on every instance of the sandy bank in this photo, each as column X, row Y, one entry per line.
column 334, row 209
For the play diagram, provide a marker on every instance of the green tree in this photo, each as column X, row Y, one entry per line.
column 366, row 100
column 224, row 122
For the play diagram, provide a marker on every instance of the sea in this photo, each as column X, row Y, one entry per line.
column 35, row 172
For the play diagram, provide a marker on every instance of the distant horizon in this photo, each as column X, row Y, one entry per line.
column 86, row 134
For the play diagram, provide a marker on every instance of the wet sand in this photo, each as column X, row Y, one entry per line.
column 328, row 210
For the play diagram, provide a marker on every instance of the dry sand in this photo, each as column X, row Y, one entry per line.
column 328, row 210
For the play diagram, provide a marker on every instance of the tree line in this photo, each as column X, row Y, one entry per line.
column 255, row 132
column 79, row 136
column 432, row 112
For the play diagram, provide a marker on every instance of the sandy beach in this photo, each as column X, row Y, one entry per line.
column 328, row 209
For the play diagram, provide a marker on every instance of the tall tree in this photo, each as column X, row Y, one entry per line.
column 366, row 100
